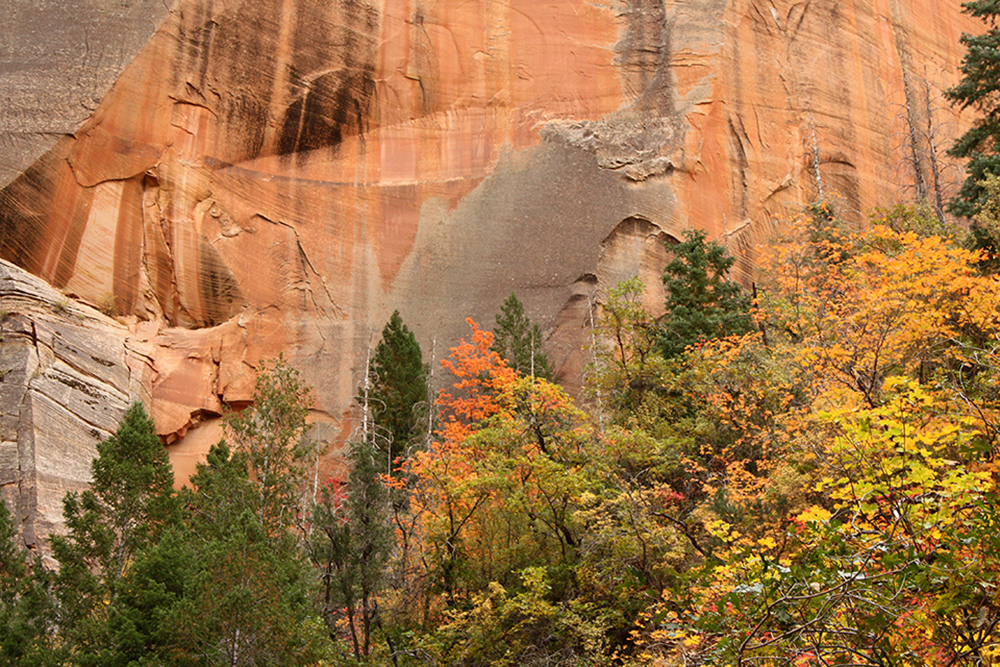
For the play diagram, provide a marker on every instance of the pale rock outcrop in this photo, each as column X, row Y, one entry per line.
column 66, row 378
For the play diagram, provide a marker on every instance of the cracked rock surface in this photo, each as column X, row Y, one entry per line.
column 65, row 383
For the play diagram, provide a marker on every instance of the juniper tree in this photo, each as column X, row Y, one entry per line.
column 247, row 597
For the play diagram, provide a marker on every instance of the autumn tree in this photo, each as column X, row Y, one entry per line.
column 864, row 563
column 519, row 340
column 496, row 488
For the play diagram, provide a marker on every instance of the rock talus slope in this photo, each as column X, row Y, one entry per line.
column 278, row 175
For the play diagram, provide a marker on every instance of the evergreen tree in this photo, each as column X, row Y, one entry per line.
column 978, row 89
column 701, row 302
column 143, row 621
column 245, row 598
column 129, row 504
column 519, row 340
column 13, row 565
column 249, row 600
column 398, row 387
column 351, row 546
column 26, row 610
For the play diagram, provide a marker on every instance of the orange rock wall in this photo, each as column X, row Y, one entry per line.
column 279, row 175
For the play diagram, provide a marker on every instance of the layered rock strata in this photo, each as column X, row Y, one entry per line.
column 67, row 374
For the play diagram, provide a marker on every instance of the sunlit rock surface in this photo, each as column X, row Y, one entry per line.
column 278, row 175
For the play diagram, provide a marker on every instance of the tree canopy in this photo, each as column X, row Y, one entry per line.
column 398, row 387
column 702, row 303
column 818, row 489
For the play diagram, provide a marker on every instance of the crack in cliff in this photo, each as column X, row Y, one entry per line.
column 133, row 353
column 307, row 264
column 26, row 459
column 23, row 467
column 97, row 431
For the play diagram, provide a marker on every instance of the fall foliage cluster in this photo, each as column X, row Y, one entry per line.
column 808, row 481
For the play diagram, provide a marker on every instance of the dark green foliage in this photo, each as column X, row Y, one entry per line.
column 142, row 623
column 701, row 302
column 129, row 503
column 12, row 561
column 518, row 340
column 979, row 88
column 26, row 612
column 245, row 597
column 212, row 576
column 128, row 506
column 398, row 387
column 351, row 546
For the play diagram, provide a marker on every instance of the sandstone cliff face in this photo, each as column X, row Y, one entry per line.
column 279, row 175
column 58, row 58
column 67, row 373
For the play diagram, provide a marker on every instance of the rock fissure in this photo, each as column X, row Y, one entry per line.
column 308, row 267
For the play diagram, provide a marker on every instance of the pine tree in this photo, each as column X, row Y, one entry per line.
column 519, row 340
column 128, row 506
column 398, row 387
column 978, row 89
column 701, row 302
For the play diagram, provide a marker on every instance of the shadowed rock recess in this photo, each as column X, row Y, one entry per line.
column 274, row 176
